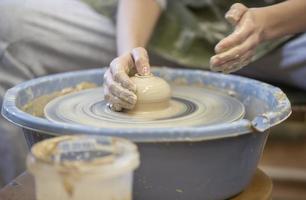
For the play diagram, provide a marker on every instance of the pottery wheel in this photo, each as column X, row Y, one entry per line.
column 189, row 106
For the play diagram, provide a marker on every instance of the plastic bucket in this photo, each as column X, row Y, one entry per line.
column 83, row 167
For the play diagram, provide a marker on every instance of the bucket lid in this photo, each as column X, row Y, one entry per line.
column 107, row 156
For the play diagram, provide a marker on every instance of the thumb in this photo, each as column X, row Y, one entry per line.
column 141, row 60
column 235, row 13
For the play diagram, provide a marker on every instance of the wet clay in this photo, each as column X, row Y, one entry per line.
column 188, row 106
column 37, row 105
column 153, row 93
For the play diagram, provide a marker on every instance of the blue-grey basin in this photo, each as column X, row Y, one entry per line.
column 196, row 163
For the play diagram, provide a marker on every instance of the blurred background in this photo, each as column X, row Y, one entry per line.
column 284, row 157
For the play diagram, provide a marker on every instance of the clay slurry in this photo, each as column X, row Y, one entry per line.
column 158, row 106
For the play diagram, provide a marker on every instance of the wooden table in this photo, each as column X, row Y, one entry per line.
column 22, row 188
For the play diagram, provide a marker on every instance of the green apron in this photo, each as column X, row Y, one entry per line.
column 188, row 30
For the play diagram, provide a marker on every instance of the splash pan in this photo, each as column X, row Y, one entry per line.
column 213, row 160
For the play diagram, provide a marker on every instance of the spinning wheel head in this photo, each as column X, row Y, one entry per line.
column 189, row 106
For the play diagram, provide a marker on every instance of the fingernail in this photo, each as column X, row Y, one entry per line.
column 145, row 70
column 218, row 48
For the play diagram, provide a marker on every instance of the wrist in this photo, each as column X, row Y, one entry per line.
column 261, row 22
column 127, row 44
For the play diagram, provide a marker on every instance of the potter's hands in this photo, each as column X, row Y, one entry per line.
column 119, row 90
column 236, row 50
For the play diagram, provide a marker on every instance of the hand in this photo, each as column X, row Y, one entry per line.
column 119, row 90
column 236, row 50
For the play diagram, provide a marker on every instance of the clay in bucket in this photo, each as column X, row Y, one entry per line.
column 158, row 105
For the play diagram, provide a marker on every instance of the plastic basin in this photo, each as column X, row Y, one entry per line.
column 208, row 162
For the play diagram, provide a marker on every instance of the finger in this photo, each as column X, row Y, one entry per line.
column 235, row 13
column 236, row 67
column 236, row 64
column 119, row 69
column 115, row 107
column 141, row 60
column 240, row 34
column 123, row 63
column 117, row 90
column 235, row 52
column 116, row 103
column 229, row 64
column 125, row 81
column 107, row 97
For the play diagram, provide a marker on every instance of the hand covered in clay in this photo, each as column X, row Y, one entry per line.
column 236, row 50
column 119, row 90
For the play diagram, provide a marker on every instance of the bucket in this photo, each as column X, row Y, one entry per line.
column 83, row 167
column 206, row 162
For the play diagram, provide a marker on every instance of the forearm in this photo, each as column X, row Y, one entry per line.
column 282, row 19
column 135, row 23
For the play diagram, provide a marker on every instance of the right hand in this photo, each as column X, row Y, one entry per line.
column 236, row 50
column 119, row 90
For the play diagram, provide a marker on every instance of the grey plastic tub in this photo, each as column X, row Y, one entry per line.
column 195, row 163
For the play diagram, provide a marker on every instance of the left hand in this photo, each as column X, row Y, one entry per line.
column 119, row 90
column 236, row 50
